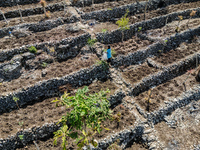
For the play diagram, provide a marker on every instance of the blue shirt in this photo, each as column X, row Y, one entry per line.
column 109, row 53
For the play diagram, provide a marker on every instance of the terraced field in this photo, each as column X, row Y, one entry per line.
column 152, row 76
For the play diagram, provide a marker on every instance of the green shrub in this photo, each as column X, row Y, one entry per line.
column 32, row 49
column 91, row 42
column 85, row 114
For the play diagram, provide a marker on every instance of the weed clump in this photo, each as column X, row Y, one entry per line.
column 32, row 49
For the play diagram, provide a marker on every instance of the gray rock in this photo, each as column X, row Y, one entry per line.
column 21, row 32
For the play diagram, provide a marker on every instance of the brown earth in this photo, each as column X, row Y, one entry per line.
column 170, row 28
column 129, row 46
column 107, row 5
column 134, row 74
column 33, row 18
column 137, row 146
column 56, row 69
column 56, row 34
column 45, row 111
column 163, row 11
column 27, row 6
column 166, row 91
column 185, row 132
column 185, row 49
column 127, row 119
column 132, row 19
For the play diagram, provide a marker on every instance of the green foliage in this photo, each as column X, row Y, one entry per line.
column 44, row 64
column 15, row 99
column 109, row 9
column 21, row 137
column 113, row 52
column 64, row 133
column 85, row 114
column 32, row 49
column 91, row 42
column 139, row 29
column 104, row 30
column 103, row 63
column 21, row 123
column 123, row 22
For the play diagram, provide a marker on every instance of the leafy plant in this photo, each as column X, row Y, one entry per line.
column 103, row 63
column 85, row 114
column 123, row 24
column 16, row 99
column 91, row 42
column 113, row 52
column 139, row 29
column 64, row 133
column 44, row 64
column 32, row 49
column 104, row 30
column 21, row 137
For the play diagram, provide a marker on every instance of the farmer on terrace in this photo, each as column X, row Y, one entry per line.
column 109, row 56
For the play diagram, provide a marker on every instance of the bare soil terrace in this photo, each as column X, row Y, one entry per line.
column 56, row 69
column 179, row 130
column 55, row 34
column 45, row 111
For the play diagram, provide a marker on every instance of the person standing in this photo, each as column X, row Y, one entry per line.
column 109, row 56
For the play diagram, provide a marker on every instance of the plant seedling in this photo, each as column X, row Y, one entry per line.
column 85, row 114
column 177, row 30
column 139, row 29
column 123, row 24
column 44, row 64
column 21, row 137
column 149, row 96
column 44, row 4
column 16, row 99
column 47, row 14
column 91, row 42
column 193, row 13
column 103, row 63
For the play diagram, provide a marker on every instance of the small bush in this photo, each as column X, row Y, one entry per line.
column 91, row 42
column 32, row 49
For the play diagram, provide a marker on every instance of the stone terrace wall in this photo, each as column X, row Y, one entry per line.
column 33, row 11
column 72, row 42
column 38, row 27
column 49, row 88
column 152, row 50
column 135, row 8
column 116, row 35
